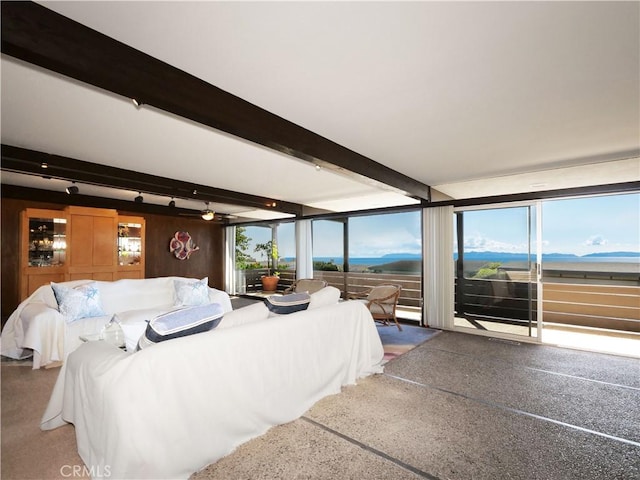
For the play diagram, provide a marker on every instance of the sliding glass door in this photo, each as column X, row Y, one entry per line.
column 592, row 271
column 497, row 270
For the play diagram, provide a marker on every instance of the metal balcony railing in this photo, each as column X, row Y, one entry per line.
column 611, row 302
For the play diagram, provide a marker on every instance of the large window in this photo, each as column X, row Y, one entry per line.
column 358, row 252
column 389, row 243
column 550, row 267
column 285, row 239
column 591, row 263
column 262, row 250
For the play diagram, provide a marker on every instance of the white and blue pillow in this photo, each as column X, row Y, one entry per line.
column 181, row 323
column 191, row 292
column 77, row 302
column 284, row 304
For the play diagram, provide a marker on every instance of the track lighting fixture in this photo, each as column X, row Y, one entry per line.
column 172, row 203
column 72, row 189
column 139, row 198
column 207, row 213
column 137, row 102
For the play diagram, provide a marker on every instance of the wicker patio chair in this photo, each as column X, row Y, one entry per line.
column 381, row 301
column 308, row 285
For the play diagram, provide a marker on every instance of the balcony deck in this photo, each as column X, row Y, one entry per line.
column 581, row 309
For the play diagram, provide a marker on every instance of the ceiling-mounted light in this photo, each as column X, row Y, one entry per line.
column 139, row 198
column 44, row 165
column 137, row 102
column 72, row 189
column 172, row 203
column 207, row 213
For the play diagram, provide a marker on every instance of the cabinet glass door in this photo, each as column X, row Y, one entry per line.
column 47, row 242
column 129, row 243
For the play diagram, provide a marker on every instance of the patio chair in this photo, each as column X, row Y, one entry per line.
column 308, row 285
column 381, row 301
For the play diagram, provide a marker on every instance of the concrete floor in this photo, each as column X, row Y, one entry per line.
column 599, row 340
column 463, row 407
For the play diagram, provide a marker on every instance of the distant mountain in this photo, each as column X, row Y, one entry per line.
column 409, row 256
column 406, row 266
column 506, row 257
column 494, row 256
column 614, row 254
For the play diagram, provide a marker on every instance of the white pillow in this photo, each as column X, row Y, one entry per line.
column 132, row 333
column 325, row 296
column 81, row 301
column 191, row 292
column 242, row 316
column 134, row 323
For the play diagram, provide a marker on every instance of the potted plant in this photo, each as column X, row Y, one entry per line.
column 270, row 250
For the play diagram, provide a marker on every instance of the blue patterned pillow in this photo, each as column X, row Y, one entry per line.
column 77, row 302
column 191, row 292
column 180, row 323
column 284, row 304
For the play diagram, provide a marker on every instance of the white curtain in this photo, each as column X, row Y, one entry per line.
column 304, row 253
column 230, row 260
column 438, row 267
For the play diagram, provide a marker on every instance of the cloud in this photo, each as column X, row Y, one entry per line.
column 480, row 243
column 596, row 240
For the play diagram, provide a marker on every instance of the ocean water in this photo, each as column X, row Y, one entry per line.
column 484, row 256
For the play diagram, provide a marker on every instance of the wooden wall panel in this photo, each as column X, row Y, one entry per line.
column 207, row 262
column 36, row 281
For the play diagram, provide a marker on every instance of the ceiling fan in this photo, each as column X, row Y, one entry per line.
column 207, row 214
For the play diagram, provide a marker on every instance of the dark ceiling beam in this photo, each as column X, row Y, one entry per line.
column 62, row 198
column 35, row 34
column 22, row 160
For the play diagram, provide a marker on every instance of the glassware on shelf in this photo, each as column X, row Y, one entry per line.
column 47, row 242
column 129, row 243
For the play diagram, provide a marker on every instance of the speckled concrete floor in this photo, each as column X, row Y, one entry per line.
column 463, row 407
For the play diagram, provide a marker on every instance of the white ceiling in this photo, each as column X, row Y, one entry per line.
column 472, row 98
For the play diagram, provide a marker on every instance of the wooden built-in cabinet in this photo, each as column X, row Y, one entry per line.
column 79, row 243
column 43, row 249
column 93, row 243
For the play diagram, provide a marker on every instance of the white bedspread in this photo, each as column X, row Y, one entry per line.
column 37, row 328
column 170, row 410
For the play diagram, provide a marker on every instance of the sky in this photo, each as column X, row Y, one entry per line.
column 595, row 224
column 578, row 226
